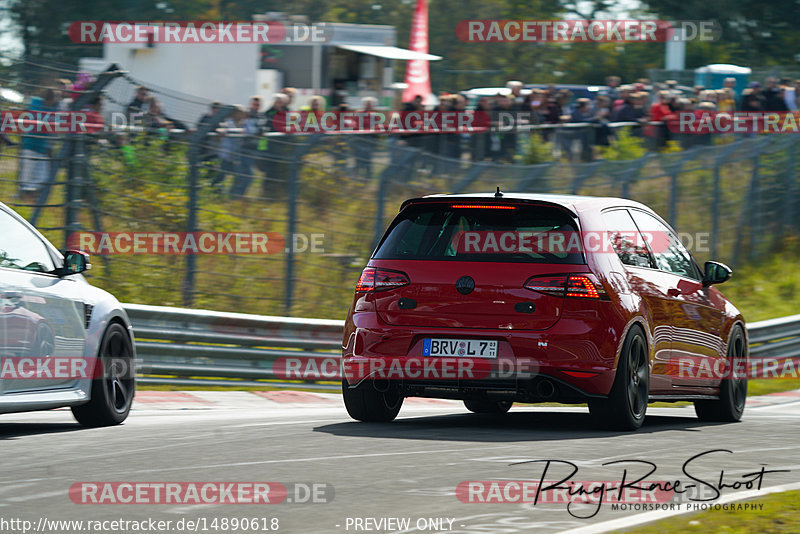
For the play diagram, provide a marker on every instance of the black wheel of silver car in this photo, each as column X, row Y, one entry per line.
column 733, row 389
column 626, row 405
column 372, row 401
column 487, row 406
column 113, row 385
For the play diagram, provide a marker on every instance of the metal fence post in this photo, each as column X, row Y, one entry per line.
column 293, row 190
column 76, row 159
column 673, row 197
column 401, row 165
column 715, row 199
column 747, row 215
column 299, row 150
column 755, row 207
column 674, row 185
column 383, row 179
column 193, row 155
column 94, row 205
column 196, row 141
column 788, row 194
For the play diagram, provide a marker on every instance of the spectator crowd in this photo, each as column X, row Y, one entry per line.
column 236, row 147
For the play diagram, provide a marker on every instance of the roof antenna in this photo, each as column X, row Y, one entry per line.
column 499, row 193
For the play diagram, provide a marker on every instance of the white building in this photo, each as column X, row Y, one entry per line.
column 344, row 64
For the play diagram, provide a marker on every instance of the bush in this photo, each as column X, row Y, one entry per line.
column 624, row 146
column 537, row 151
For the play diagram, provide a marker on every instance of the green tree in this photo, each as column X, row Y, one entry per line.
column 752, row 32
column 42, row 25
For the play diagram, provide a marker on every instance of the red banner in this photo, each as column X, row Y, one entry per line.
column 417, row 78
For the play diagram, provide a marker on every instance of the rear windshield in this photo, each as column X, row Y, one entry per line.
column 472, row 231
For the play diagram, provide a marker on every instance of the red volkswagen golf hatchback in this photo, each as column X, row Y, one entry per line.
column 502, row 298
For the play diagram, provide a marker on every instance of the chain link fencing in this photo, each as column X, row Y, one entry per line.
column 332, row 195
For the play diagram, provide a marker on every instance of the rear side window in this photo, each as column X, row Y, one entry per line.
column 670, row 254
column 625, row 238
column 475, row 231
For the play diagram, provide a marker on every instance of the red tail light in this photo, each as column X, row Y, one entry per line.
column 581, row 286
column 373, row 279
column 366, row 281
column 569, row 285
column 549, row 285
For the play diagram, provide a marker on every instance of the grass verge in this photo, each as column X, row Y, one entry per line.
column 769, row 288
column 780, row 513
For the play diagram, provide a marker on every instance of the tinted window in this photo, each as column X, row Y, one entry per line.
column 625, row 239
column 20, row 248
column 669, row 252
column 510, row 233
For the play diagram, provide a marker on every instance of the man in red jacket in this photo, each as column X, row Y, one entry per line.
column 659, row 112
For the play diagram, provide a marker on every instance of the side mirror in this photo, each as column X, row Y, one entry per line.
column 75, row 262
column 715, row 273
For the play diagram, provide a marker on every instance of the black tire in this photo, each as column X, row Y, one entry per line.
column 626, row 405
column 487, row 406
column 372, row 402
column 732, row 390
column 112, row 392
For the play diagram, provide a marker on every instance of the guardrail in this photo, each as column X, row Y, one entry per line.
column 183, row 347
column 775, row 338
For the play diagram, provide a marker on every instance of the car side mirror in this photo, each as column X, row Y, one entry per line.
column 715, row 273
column 75, row 262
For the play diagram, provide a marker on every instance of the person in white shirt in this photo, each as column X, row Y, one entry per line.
column 790, row 95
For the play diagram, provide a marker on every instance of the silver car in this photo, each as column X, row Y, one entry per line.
column 63, row 342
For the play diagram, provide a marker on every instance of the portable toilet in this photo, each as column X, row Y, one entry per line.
column 713, row 76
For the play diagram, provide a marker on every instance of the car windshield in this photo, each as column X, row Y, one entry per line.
column 480, row 231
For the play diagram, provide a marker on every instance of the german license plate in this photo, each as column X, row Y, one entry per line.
column 467, row 348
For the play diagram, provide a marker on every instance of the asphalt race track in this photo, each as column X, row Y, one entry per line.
column 407, row 469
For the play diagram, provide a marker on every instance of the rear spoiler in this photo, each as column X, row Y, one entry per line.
column 485, row 200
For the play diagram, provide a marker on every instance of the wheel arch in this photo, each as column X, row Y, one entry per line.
column 637, row 321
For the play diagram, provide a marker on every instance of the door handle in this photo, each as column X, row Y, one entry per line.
column 674, row 292
column 12, row 294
